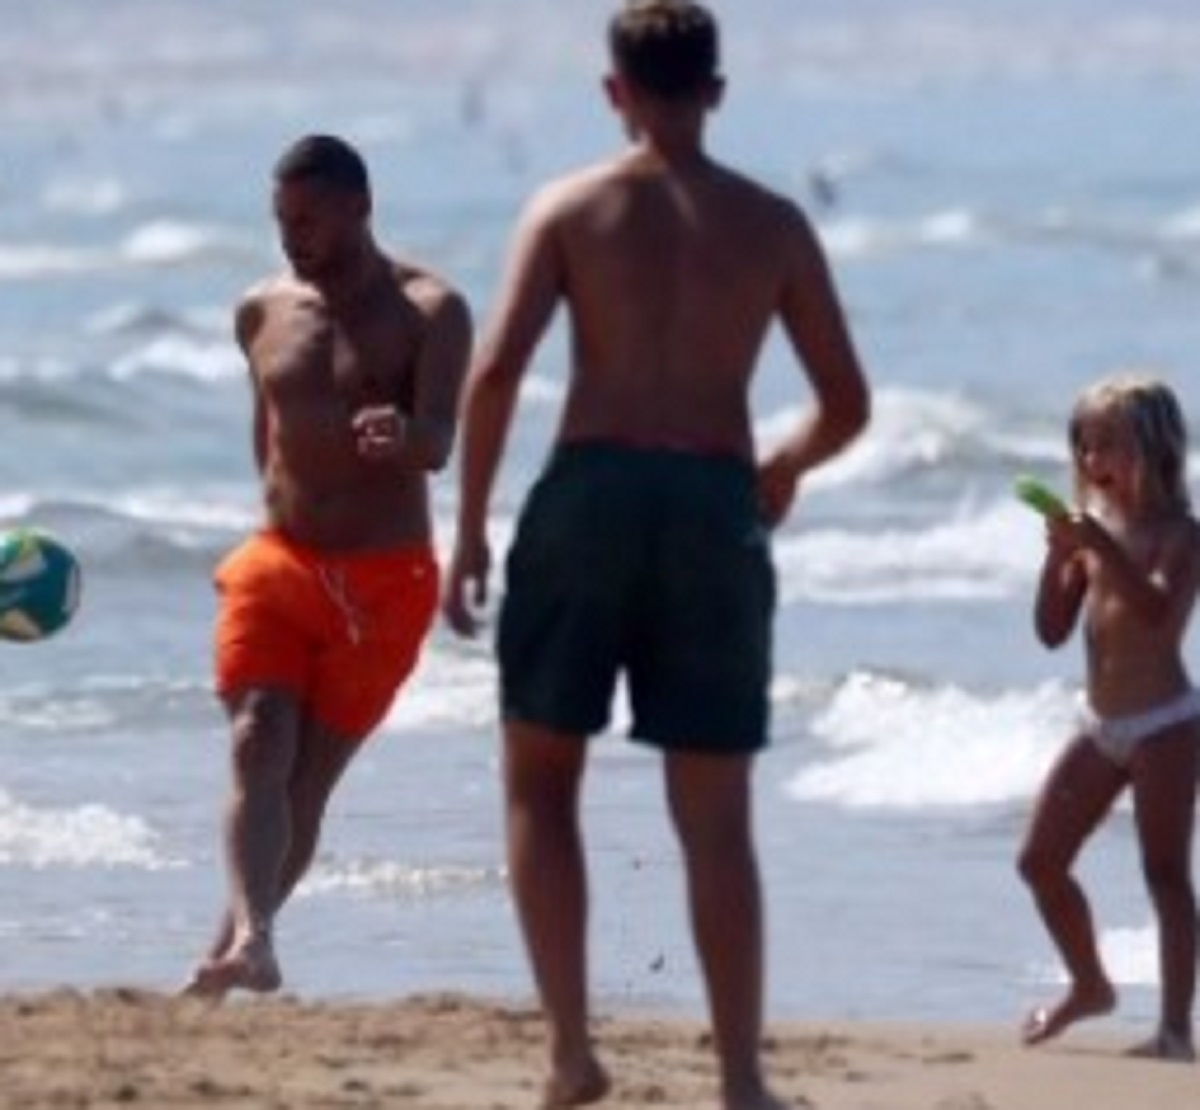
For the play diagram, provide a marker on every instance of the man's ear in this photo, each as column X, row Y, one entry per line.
column 614, row 89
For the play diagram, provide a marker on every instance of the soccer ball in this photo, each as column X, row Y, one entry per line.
column 40, row 583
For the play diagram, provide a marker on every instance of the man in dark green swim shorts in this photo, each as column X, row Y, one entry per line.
column 642, row 550
column 651, row 561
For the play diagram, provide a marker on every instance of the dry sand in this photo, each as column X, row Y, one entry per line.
column 127, row 1048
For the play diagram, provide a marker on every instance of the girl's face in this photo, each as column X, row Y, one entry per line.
column 1106, row 458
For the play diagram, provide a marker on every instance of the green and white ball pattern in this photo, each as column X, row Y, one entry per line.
column 40, row 583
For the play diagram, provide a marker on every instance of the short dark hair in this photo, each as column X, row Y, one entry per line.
column 667, row 48
column 325, row 160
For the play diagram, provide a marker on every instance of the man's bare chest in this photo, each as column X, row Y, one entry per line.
column 307, row 360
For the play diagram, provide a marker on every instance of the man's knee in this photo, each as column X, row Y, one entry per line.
column 709, row 801
column 1167, row 878
column 263, row 734
column 543, row 770
column 722, row 838
column 1043, row 870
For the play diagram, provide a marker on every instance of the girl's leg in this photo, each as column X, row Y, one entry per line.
column 1164, row 794
column 1078, row 793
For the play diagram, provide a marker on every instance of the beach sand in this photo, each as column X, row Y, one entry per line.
column 122, row 1048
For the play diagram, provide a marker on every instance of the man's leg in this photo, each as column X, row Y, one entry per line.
column 543, row 772
column 264, row 725
column 322, row 760
column 710, row 802
column 320, row 763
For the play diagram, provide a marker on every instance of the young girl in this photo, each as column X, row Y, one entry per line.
column 1127, row 560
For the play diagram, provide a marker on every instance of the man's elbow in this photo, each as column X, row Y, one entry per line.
column 860, row 412
column 435, row 450
column 851, row 416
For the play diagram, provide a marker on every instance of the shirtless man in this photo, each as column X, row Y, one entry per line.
column 643, row 550
column 356, row 360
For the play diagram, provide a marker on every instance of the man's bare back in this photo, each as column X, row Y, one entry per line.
column 705, row 259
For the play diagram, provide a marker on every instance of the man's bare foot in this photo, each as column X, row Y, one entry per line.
column 1166, row 1044
column 1047, row 1022
column 763, row 1101
column 250, row 965
column 755, row 1096
column 589, row 1084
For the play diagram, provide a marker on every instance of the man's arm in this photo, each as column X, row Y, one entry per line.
column 422, row 439
column 812, row 317
column 429, row 432
column 529, row 293
column 247, row 320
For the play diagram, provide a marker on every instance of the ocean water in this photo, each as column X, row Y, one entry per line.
column 1010, row 196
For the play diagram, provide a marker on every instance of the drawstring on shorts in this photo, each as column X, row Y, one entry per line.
column 334, row 581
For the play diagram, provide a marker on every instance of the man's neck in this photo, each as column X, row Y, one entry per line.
column 355, row 283
column 675, row 138
column 671, row 153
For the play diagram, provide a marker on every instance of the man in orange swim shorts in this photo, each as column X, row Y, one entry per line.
column 339, row 630
column 355, row 361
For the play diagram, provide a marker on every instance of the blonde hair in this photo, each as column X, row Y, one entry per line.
column 1151, row 411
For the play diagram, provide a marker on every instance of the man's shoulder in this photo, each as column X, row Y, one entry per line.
column 598, row 179
column 270, row 290
column 425, row 287
column 263, row 299
column 575, row 187
column 755, row 191
column 440, row 307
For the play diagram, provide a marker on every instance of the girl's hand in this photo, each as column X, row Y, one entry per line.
column 1070, row 532
column 1061, row 536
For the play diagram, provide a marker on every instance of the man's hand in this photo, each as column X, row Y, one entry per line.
column 379, row 431
column 777, row 484
column 466, row 588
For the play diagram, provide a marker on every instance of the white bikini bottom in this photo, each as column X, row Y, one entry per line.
column 1119, row 737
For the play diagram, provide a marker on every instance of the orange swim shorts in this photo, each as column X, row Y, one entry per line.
column 342, row 630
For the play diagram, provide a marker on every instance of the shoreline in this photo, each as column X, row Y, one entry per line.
column 449, row 1051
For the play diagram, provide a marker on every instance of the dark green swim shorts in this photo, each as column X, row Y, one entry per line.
column 651, row 564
